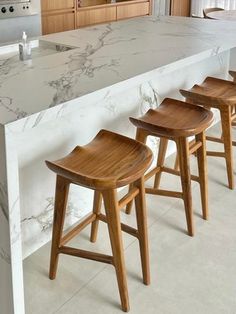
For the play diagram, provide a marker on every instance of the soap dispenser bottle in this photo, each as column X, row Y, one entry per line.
column 24, row 48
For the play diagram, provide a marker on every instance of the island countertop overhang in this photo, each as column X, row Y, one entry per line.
column 118, row 54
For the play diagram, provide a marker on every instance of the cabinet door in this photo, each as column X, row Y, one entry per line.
column 55, row 23
column 47, row 5
column 88, row 3
column 180, row 7
column 131, row 10
column 95, row 16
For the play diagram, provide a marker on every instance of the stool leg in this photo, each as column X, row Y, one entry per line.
column 62, row 190
column 160, row 160
column 141, row 215
column 114, row 227
column 183, row 154
column 97, row 203
column 233, row 123
column 227, row 138
column 234, row 107
column 176, row 166
column 141, row 136
column 202, row 171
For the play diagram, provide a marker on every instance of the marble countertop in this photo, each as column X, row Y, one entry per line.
column 113, row 54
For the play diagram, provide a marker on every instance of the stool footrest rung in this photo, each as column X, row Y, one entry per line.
column 151, row 173
column 72, row 233
column 214, row 139
column 164, row 193
column 194, row 146
column 233, row 117
column 125, row 228
column 86, row 254
column 128, row 197
column 177, row 173
column 216, row 154
column 218, row 140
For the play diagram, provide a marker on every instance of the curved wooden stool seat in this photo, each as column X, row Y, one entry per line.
column 219, row 94
column 176, row 120
column 106, row 163
column 109, row 161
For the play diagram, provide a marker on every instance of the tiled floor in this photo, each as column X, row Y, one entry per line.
column 189, row 275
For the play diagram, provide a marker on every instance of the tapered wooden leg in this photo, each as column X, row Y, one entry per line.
column 141, row 215
column 114, row 227
column 176, row 166
column 233, row 123
column 62, row 190
column 234, row 107
column 183, row 153
column 160, row 160
column 227, row 138
column 130, row 204
column 141, row 136
column 97, row 203
column 202, row 170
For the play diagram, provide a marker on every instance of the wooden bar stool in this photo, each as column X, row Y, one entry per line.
column 176, row 120
column 233, row 112
column 219, row 94
column 108, row 162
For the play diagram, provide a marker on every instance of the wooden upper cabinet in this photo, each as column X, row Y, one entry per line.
column 87, row 3
column 180, row 7
column 48, row 5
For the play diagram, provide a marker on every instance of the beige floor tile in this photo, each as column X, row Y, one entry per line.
column 189, row 275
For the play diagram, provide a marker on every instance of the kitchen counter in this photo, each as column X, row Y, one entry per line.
column 56, row 101
column 118, row 53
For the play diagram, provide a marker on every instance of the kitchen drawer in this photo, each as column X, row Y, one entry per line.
column 88, row 3
column 131, row 10
column 47, row 5
column 95, row 16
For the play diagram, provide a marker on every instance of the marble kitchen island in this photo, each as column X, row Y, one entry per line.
column 54, row 102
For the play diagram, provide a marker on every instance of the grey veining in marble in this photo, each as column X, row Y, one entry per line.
column 106, row 55
column 3, row 199
column 5, row 256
